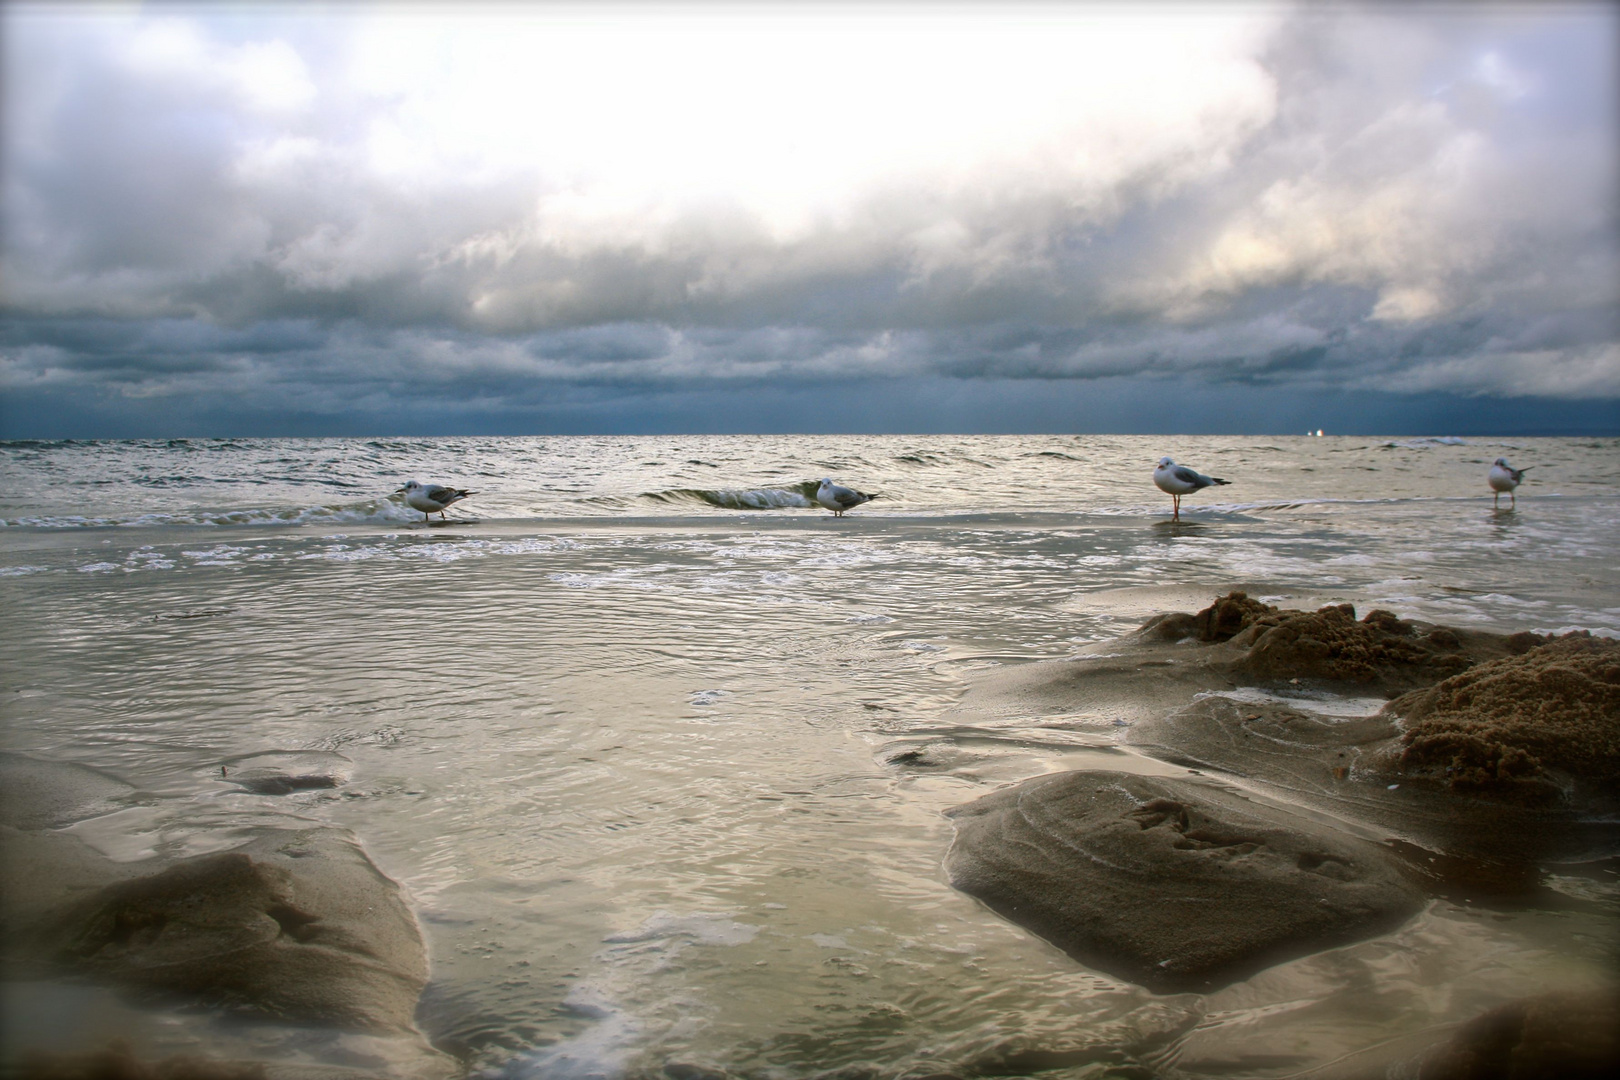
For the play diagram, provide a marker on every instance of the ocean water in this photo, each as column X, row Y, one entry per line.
column 631, row 727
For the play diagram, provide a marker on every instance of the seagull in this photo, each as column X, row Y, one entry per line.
column 838, row 499
column 1504, row 477
column 431, row 498
column 1178, row 480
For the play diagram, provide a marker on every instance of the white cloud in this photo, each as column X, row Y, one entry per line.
column 792, row 113
column 1586, row 372
column 262, row 76
column 1402, row 206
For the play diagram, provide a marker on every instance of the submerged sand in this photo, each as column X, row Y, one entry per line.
column 293, row 925
column 1173, row 884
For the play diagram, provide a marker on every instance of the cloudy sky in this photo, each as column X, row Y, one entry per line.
column 358, row 218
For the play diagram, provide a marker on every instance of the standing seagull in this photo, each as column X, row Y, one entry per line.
column 431, row 498
column 1178, row 480
column 838, row 499
column 1504, row 477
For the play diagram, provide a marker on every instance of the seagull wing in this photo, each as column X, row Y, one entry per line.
column 1189, row 476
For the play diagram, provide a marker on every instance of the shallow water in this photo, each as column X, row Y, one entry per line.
column 664, row 776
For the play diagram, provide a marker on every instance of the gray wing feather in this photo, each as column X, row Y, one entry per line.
column 1188, row 476
column 1196, row 479
column 446, row 495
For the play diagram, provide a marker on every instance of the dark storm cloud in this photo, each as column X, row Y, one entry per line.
column 1352, row 199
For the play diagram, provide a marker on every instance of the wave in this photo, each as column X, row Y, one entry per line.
column 1384, row 500
column 38, row 444
column 772, row 498
column 364, row 512
column 1427, row 440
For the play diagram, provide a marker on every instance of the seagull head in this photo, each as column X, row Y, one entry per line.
column 1165, row 462
column 826, row 481
column 1502, row 461
column 410, row 485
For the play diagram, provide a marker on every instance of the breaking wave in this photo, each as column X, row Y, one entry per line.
column 771, row 498
column 1427, row 440
column 363, row 512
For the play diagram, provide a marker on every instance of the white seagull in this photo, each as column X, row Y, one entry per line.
column 431, row 498
column 838, row 499
column 1504, row 477
column 1178, row 480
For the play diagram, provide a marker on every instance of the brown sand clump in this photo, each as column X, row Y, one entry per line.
column 1228, row 616
column 1503, row 725
column 1330, row 644
column 1382, row 650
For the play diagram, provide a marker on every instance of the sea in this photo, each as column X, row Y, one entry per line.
column 631, row 724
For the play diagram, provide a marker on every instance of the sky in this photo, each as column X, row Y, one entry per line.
column 529, row 218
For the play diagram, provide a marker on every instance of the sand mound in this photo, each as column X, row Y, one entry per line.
column 1228, row 616
column 1172, row 658
column 119, row 1063
column 1506, row 727
column 1533, row 779
column 296, row 924
column 282, row 772
column 1384, row 651
column 1564, row 1035
column 37, row 794
column 1330, row 644
column 1350, row 766
column 1173, row 884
